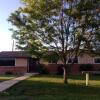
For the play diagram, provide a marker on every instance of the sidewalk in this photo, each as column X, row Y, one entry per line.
column 7, row 84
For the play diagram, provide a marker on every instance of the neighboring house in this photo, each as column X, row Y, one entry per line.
column 18, row 62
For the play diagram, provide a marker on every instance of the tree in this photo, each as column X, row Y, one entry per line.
column 52, row 25
column 23, row 34
column 51, row 57
column 87, row 17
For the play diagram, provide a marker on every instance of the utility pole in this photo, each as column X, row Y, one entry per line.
column 13, row 45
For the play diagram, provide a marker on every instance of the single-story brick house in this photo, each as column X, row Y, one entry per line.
column 21, row 62
column 17, row 62
column 75, row 68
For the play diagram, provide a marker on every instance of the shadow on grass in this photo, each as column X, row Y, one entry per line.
column 50, row 88
column 49, row 85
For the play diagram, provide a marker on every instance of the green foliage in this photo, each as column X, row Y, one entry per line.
column 42, row 69
column 51, row 56
column 39, row 27
column 8, row 73
column 86, row 67
column 49, row 25
column 67, row 27
column 60, row 70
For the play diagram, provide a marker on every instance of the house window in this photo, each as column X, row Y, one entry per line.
column 73, row 60
column 7, row 62
column 97, row 60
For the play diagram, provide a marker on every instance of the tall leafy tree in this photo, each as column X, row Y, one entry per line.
column 87, row 17
column 54, row 25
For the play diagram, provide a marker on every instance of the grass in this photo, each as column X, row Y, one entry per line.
column 6, row 77
column 46, row 87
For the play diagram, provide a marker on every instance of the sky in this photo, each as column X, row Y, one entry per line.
column 6, row 8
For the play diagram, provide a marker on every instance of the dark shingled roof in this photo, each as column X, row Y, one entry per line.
column 15, row 54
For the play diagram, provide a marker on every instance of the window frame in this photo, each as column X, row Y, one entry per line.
column 95, row 59
column 9, row 63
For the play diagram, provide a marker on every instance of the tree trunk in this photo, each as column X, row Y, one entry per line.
column 65, row 75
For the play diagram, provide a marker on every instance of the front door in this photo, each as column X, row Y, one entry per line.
column 32, row 65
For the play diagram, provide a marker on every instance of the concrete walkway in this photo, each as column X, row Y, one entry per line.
column 7, row 84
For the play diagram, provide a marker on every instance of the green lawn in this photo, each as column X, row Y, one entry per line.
column 48, row 87
column 6, row 77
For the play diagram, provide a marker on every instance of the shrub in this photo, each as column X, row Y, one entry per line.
column 86, row 67
column 8, row 73
column 42, row 69
column 60, row 70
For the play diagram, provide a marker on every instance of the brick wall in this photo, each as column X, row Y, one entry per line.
column 74, row 69
column 96, row 67
column 13, row 69
column 52, row 68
